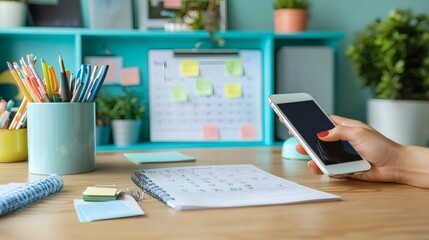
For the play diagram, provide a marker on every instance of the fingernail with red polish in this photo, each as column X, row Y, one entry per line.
column 323, row 134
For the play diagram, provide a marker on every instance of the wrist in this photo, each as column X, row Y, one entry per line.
column 413, row 166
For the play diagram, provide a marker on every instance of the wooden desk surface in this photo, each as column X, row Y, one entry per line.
column 367, row 210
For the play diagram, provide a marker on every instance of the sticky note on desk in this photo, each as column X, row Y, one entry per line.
column 158, row 157
column 189, row 69
column 93, row 211
column 234, row 68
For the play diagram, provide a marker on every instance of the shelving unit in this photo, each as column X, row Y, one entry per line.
column 133, row 45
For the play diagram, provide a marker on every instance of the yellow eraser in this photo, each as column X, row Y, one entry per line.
column 100, row 191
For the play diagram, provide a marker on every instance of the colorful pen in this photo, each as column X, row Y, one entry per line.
column 4, row 117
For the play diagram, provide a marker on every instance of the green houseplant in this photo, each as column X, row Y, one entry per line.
column 104, row 105
column 124, row 111
column 291, row 15
column 391, row 57
column 202, row 15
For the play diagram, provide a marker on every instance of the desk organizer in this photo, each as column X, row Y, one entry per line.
column 61, row 138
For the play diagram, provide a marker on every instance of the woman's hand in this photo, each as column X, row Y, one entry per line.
column 380, row 151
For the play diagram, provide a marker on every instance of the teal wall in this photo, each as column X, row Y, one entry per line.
column 347, row 16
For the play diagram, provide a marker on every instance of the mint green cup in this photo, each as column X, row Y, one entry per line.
column 61, row 138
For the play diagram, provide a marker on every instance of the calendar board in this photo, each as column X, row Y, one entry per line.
column 205, row 97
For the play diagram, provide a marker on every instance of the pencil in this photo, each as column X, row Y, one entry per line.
column 54, row 82
column 48, row 82
column 65, row 94
column 18, row 114
column 19, row 82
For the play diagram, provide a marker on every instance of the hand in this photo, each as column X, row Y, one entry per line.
column 381, row 152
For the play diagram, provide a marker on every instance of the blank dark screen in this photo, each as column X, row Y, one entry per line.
column 308, row 119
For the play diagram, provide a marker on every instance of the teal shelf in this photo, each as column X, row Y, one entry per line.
column 175, row 145
column 133, row 45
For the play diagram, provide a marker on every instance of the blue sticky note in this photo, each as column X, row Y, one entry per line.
column 158, row 157
column 93, row 211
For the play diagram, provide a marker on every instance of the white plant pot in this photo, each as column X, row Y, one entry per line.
column 125, row 131
column 403, row 121
column 12, row 14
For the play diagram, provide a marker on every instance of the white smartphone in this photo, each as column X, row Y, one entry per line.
column 305, row 118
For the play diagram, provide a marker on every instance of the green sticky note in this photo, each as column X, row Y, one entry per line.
column 234, row 68
column 233, row 90
column 158, row 157
column 178, row 94
column 203, row 87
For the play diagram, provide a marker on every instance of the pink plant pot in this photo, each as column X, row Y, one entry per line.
column 290, row 20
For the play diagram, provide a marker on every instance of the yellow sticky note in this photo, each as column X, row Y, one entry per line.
column 203, row 87
column 100, row 191
column 233, row 90
column 234, row 67
column 189, row 69
column 178, row 94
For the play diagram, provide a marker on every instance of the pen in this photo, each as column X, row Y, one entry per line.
column 4, row 117
column 95, row 74
column 2, row 106
column 86, row 74
column 98, row 83
column 65, row 97
column 77, row 92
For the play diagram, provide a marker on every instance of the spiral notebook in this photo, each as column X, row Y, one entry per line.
column 222, row 186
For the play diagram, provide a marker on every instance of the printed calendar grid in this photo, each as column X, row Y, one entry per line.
column 187, row 120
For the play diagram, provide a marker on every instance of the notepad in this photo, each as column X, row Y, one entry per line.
column 93, row 211
column 222, row 186
column 100, row 194
column 158, row 157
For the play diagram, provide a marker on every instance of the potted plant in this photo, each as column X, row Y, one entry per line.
column 13, row 13
column 104, row 105
column 291, row 15
column 202, row 15
column 125, row 115
column 391, row 56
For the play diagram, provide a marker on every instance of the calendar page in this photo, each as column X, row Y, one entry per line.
column 218, row 186
column 215, row 97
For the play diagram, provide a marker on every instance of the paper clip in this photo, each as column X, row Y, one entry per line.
column 137, row 194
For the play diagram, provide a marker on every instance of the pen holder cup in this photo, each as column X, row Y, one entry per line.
column 61, row 137
column 13, row 146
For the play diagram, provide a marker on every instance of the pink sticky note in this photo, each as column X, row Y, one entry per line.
column 210, row 132
column 173, row 4
column 115, row 65
column 130, row 76
column 248, row 131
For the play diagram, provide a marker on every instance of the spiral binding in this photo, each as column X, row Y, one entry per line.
column 148, row 186
column 29, row 193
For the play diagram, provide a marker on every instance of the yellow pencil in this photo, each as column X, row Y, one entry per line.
column 48, row 81
column 19, row 82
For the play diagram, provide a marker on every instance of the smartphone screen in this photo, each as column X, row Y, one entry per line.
column 308, row 119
